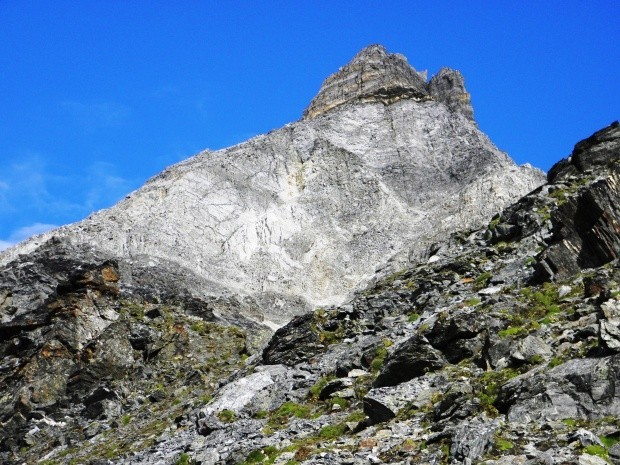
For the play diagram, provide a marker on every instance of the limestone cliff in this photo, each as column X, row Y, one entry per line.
column 382, row 165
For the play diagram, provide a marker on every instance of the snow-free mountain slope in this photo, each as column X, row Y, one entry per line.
column 310, row 210
column 114, row 329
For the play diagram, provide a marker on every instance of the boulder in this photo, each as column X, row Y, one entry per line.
column 383, row 403
column 294, row 343
column 472, row 439
column 413, row 358
column 578, row 389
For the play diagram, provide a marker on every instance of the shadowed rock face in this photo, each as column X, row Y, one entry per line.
column 448, row 86
column 587, row 225
column 382, row 166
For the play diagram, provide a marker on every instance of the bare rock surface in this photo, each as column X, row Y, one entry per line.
column 372, row 75
column 500, row 346
column 475, row 355
column 448, row 86
column 382, row 165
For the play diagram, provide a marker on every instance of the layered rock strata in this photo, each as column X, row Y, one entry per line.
column 374, row 75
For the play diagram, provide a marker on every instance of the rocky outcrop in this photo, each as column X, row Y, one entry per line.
column 372, row 76
column 584, row 221
column 448, row 87
column 82, row 351
column 413, row 358
column 586, row 226
column 580, row 389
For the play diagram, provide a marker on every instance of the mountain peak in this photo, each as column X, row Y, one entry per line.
column 106, row 323
column 368, row 53
column 372, row 75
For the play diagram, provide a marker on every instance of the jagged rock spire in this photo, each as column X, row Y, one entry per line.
column 448, row 86
column 376, row 75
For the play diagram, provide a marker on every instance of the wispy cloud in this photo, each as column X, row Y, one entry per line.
column 105, row 186
column 34, row 192
column 28, row 183
column 24, row 179
column 25, row 232
column 97, row 115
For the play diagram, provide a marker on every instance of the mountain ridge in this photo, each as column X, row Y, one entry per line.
column 303, row 215
column 145, row 334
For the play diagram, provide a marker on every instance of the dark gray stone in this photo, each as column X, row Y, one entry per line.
column 411, row 359
column 472, row 439
column 448, row 87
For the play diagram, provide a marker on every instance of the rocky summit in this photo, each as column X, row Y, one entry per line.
column 375, row 283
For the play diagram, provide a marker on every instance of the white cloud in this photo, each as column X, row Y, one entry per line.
column 27, row 231
column 24, row 233
column 35, row 192
column 29, row 177
column 29, row 186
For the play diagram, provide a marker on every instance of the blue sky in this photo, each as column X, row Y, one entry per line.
column 98, row 96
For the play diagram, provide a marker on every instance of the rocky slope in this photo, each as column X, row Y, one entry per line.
column 116, row 332
column 501, row 349
column 382, row 165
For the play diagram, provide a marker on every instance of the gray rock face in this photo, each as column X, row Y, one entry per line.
column 379, row 167
column 448, row 86
column 412, row 359
column 577, row 389
column 377, row 76
column 372, row 76
column 472, row 439
column 585, row 225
